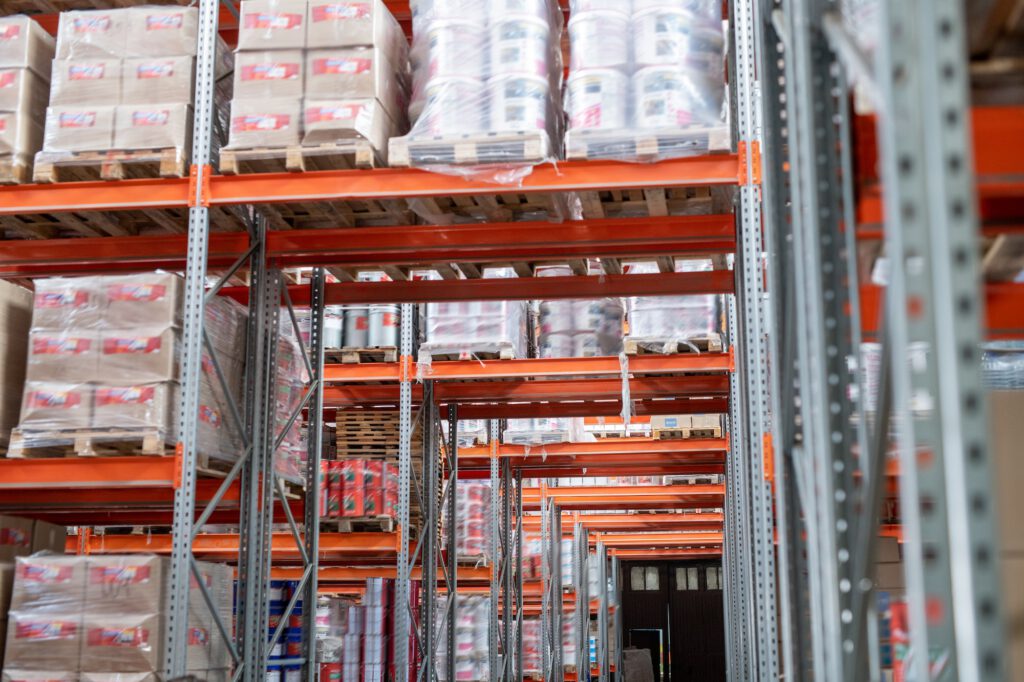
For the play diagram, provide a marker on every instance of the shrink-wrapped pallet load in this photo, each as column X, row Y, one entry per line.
column 26, row 51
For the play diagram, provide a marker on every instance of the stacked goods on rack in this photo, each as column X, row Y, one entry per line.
column 26, row 51
column 15, row 322
column 289, row 645
column 486, row 84
column 356, row 488
column 477, row 329
column 103, row 618
column 472, row 620
column 291, row 384
column 371, row 326
column 472, row 522
column 670, row 324
column 686, row 426
column 318, row 85
column 103, row 369
column 121, row 94
column 332, row 627
column 18, row 538
column 471, row 432
column 645, row 83
column 531, row 646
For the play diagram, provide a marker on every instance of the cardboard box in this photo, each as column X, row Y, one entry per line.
column 12, row 675
column 67, row 302
column 23, row 91
column 47, row 537
column 147, row 80
column 15, row 540
column 150, row 299
column 1012, row 569
column 153, row 126
column 122, row 642
column 79, row 128
column 272, row 24
column 24, row 44
column 15, row 321
column 40, row 640
column 140, row 406
column 75, row 82
column 335, row 121
column 118, row 677
column 63, row 356
column 1007, row 427
column 162, row 31
column 888, row 551
column 270, row 73
column 49, row 583
column 889, row 577
column 354, row 73
column 265, row 123
column 353, row 498
column 20, row 134
column 83, row 34
column 139, row 355
column 131, row 584
column 337, row 23
column 53, row 406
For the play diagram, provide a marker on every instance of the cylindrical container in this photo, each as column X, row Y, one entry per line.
column 676, row 37
column 330, row 672
column 559, row 345
column 450, row 106
column 599, row 39
column 518, row 102
column 503, row 8
column 597, row 99
column 666, row 97
column 292, row 673
column 706, row 10
column 357, row 325
column 456, row 48
column 577, row 6
column 585, row 345
column 520, row 44
column 424, row 11
column 334, row 325
column 273, row 673
column 384, row 322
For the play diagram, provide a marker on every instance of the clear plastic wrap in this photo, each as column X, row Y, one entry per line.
column 292, row 381
column 646, row 80
column 26, row 51
column 103, row 616
column 272, row 24
column 531, row 646
column 1002, row 365
column 544, row 431
column 360, row 488
column 472, row 535
column 673, row 319
column 24, row 44
column 472, row 619
column 487, row 79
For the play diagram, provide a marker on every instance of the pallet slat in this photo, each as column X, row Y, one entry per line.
column 299, row 158
column 168, row 162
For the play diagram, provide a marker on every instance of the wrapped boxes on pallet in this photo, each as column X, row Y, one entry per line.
column 102, row 617
column 26, row 51
column 673, row 320
column 15, row 321
column 472, row 535
column 472, row 618
column 645, row 83
column 314, row 74
column 359, row 488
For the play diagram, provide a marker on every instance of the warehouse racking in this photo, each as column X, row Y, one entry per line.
column 784, row 203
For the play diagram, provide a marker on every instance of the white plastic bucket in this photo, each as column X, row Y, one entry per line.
column 520, row 44
column 452, row 106
column 597, row 99
column 663, row 99
column 578, row 6
column 357, row 326
column 425, row 11
column 557, row 345
column 585, row 346
column 518, row 102
column 455, row 49
column 384, row 321
column 707, row 10
column 599, row 39
column 334, row 325
column 676, row 37
column 503, row 8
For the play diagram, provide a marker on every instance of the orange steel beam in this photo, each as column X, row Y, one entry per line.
column 629, row 497
column 478, row 472
column 648, row 554
column 225, row 545
column 359, row 574
column 659, row 539
column 634, row 522
column 623, row 446
column 533, row 367
column 1004, row 309
column 594, row 408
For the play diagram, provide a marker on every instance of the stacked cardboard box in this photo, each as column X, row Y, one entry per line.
column 100, row 618
column 360, row 488
column 317, row 72
column 472, row 616
column 673, row 319
column 22, row 537
column 15, row 321
column 26, row 51
column 472, row 534
column 104, row 359
column 291, row 383
column 1006, row 408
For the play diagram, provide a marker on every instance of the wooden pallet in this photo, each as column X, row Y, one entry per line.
column 168, row 162
column 473, row 560
column 15, row 169
column 687, row 433
column 54, row 6
column 646, row 146
column 298, row 158
column 371, row 435
column 655, row 202
column 359, row 524
column 89, row 443
column 537, row 438
column 479, row 149
column 712, row 343
column 445, row 353
column 113, row 223
column 358, row 356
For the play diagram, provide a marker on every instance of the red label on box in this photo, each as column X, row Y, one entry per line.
column 159, row 22
column 136, row 292
column 91, row 23
column 209, row 415
column 198, row 637
column 270, row 71
column 44, row 573
column 14, row 537
column 272, row 20
column 3, row 125
column 150, row 118
column 81, row 119
column 8, row 78
column 346, row 113
column 43, row 399
column 10, row 32
column 260, row 122
column 194, row 584
column 51, row 345
column 86, row 72
column 137, row 344
column 137, row 637
column 58, row 299
column 46, row 629
column 341, row 65
column 154, row 70
column 119, row 575
column 340, row 11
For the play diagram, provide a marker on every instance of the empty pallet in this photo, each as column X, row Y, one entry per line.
column 111, row 165
column 643, row 145
column 710, row 343
column 298, row 159
column 528, row 147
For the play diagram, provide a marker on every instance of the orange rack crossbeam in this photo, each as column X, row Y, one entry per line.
column 629, row 497
column 709, row 521
column 663, row 540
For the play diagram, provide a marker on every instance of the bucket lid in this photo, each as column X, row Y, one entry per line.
column 586, row 74
column 598, row 14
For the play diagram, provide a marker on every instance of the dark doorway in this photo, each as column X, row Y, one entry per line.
column 683, row 603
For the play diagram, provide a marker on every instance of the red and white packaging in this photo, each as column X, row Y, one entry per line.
column 355, row 73
column 327, row 121
column 145, row 80
column 70, row 356
column 139, row 355
column 162, row 31
column 122, row 642
column 55, row 406
column 125, row 584
column 265, row 123
column 140, row 406
column 22, row 91
column 373, row 488
column 75, row 82
column 345, row 23
column 24, row 44
column 353, row 493
column 67, row 302
column 49, row 583
column 150, row 299
column 20, row 134
column 153, row 126
column 79, row 128
column 269, row 73
column 272, row 24
column 84, row 34
column 41, row 640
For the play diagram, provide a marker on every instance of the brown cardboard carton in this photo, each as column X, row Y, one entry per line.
column 265, row 123
column 82, row 34
column 12, row 675
column 49, row 583
column 15, row 539
column 42, row 640
column 162, row 31
column 218, row 579
column 122, row 642
column 888, row 551
column 269, row 73
column 329, row 121
column 146, row 80
column 272, row 24
column 354, row 73
column 139, row 355
column 1005, row 410
column 1012, row 569
column 24, row 91
column 153, row 126
column 217, row 436
column 47, row 537
column 67, row 302
column 131, row 584
column 119, row 677
column 79, row 128
column 25, row 45
column 226, row 322
column 149, row 299
column 75, row 82
column 53, row 406
column 342, row 23
column 141, row 406
column 6, row 583
column 20, row 134
column 62, row 356
column 889, row 577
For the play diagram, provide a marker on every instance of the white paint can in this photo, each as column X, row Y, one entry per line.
column 665, row 36
column 499, row 9
column 599, row 39
column 451, row 106
column 455, row 49
column 384, row 322
column 518, row 102
column 577, row 6
column 706, row 10
column 597, row 99
column 664, row 98
column 520, row 44
column 334, row 325
column 357, row 326
column 426, row 11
